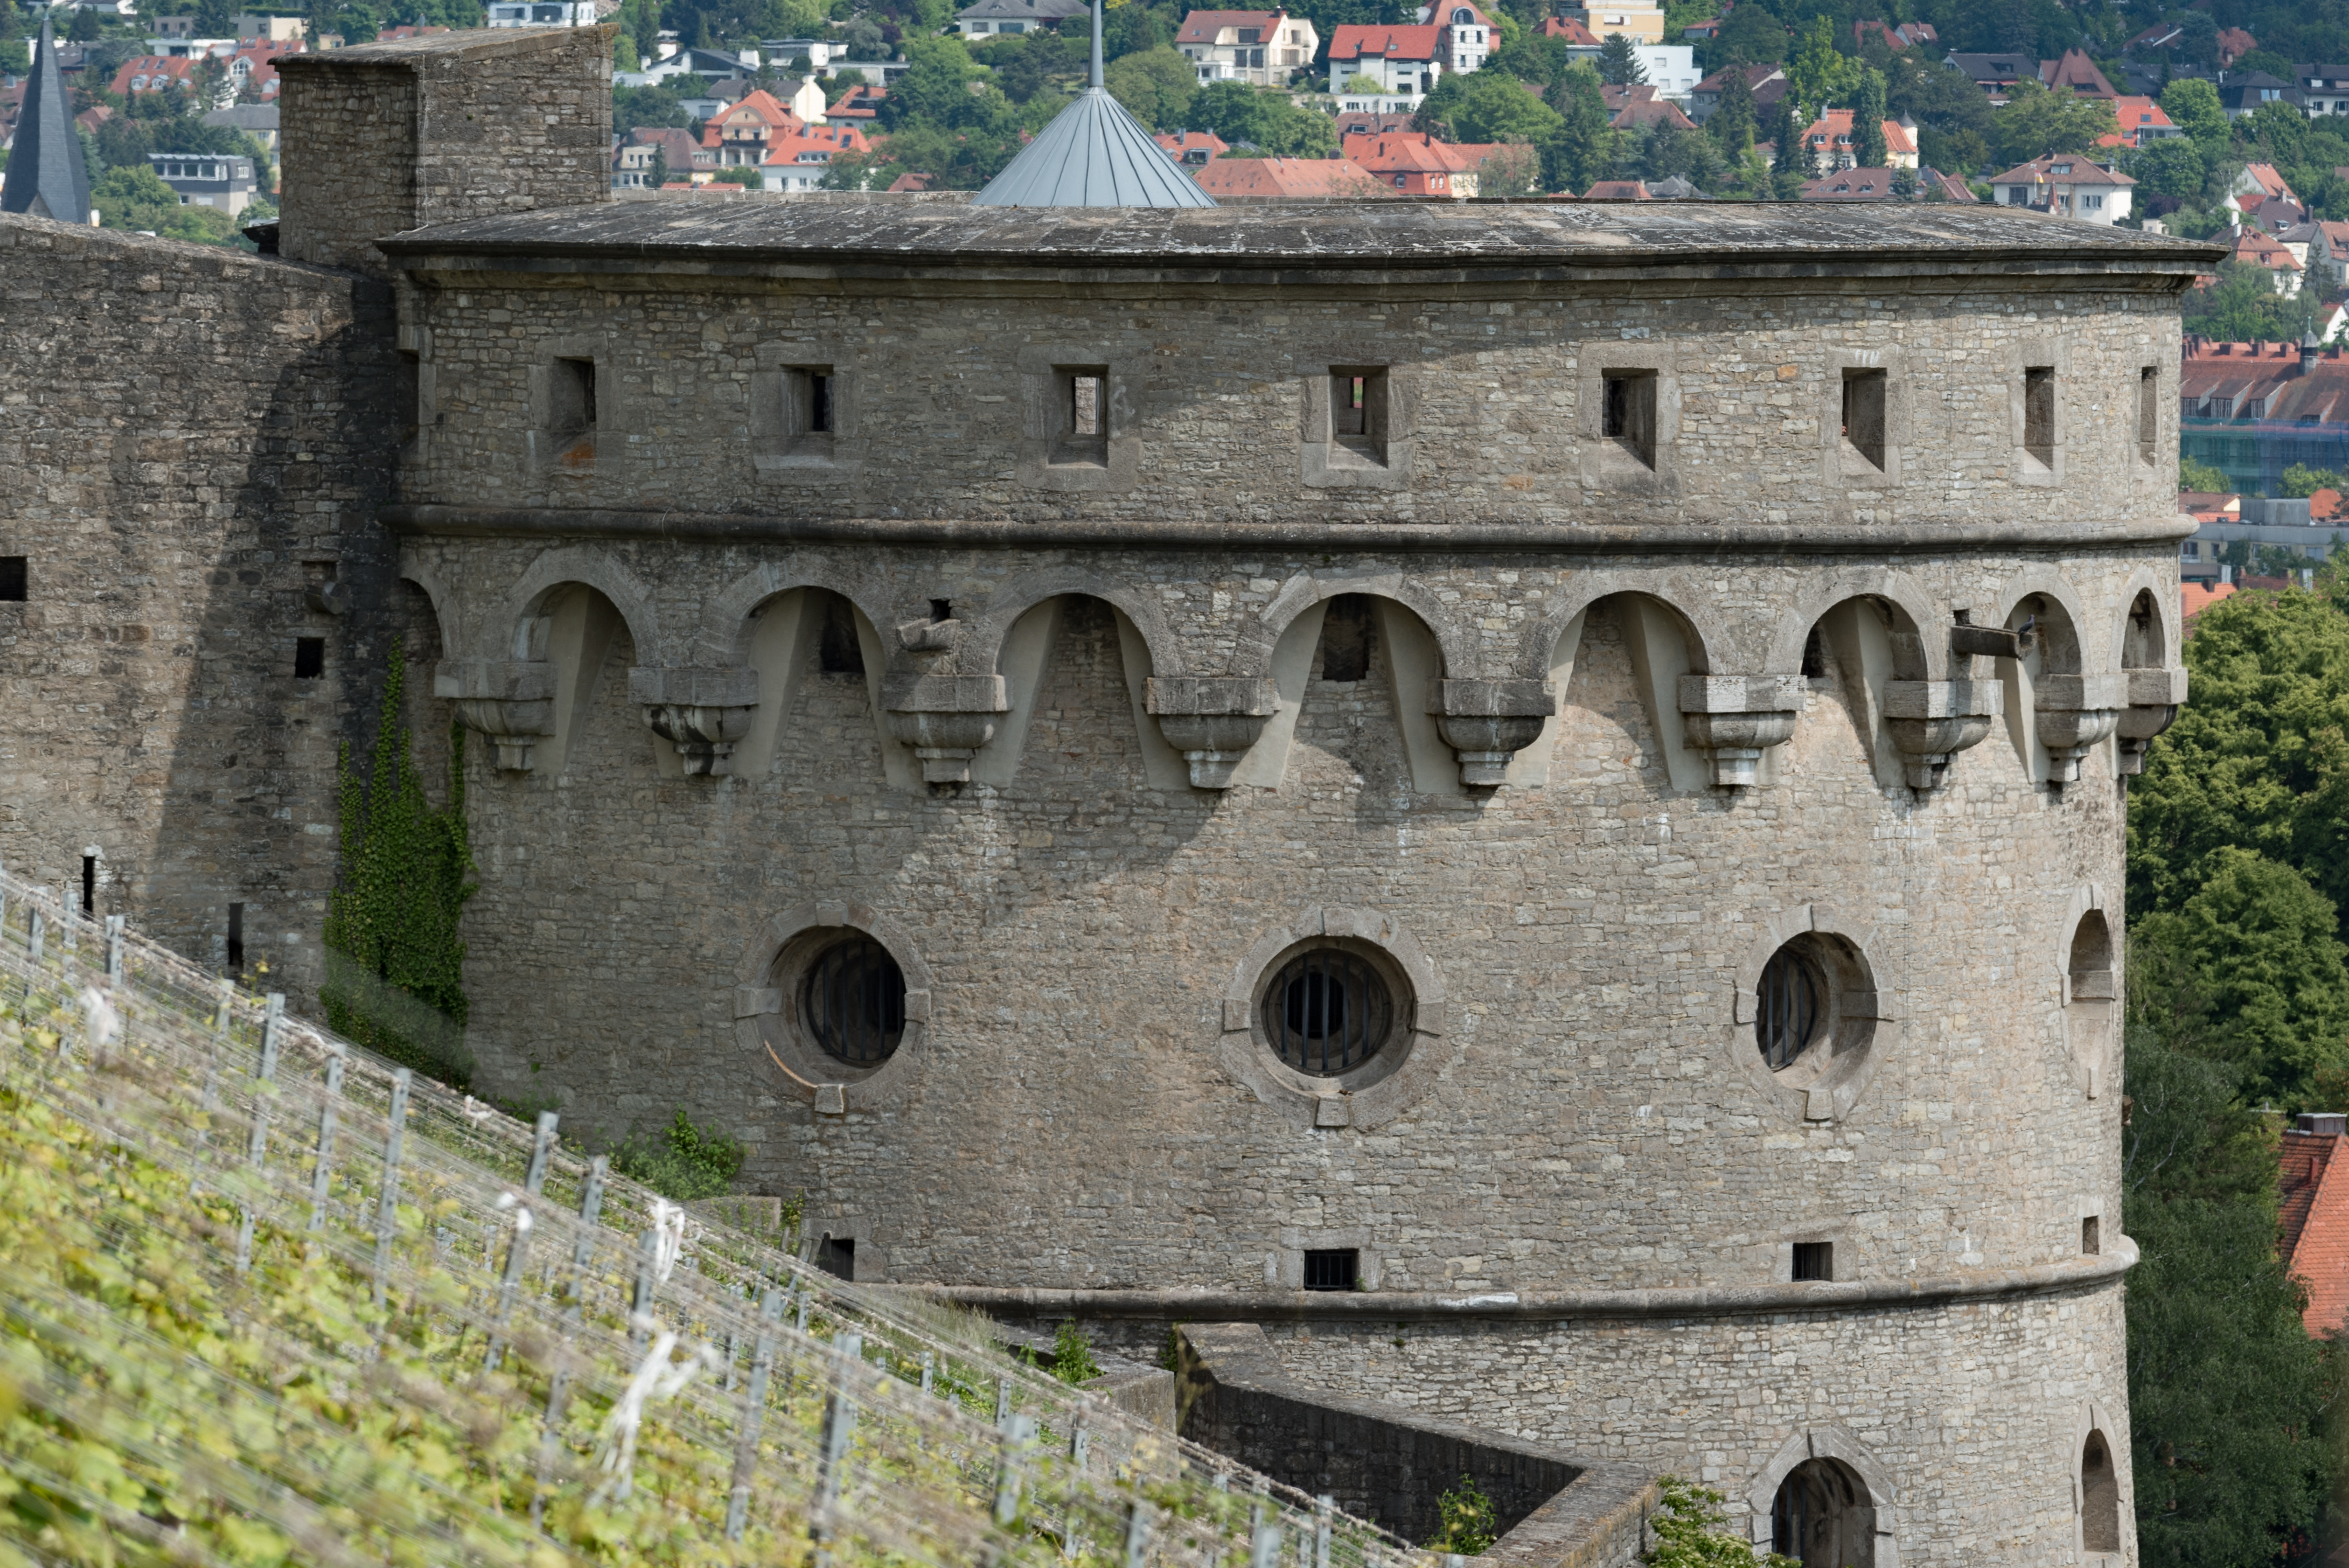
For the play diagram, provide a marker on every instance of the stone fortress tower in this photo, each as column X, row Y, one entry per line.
column 1526, row 795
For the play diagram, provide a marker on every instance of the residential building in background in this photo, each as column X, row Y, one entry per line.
column 1469, row 35
column 1288, row 178
column 258, row 120
column 1639, row 22
column 2068, row 185
column 798, row 158
column 1263, row 48
column 2253, row 409
column 542, row 13
column 1191, row 147
column 988, row 17
column 1829, row 138
column 213, row 180
column 1404, row 61
column 1766, row 83
column 2324, row 89
column 2142, row 123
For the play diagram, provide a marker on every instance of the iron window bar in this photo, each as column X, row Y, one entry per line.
column 855, row 1003
column 1789, row 1006
column 1326, row 1012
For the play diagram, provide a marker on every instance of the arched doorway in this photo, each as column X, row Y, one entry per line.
column 2100, row 1497
column 1823, row 1517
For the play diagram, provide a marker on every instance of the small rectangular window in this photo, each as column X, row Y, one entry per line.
column 1628, row 414
column 236, row 939
column 406, row 394
column 836, row 1256
column 570, row 411
column 1863, row 394
column 2091, row 1242
column 2148, row 413
column 1357, row 411
column 1813, row 1260
column 1080, row 414
column 811, row 410
column 2039, row 414
column 1336, row 1269
column 13, row 587
column 309, row 658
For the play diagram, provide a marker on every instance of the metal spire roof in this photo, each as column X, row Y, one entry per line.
column 46, row 175
column 1093, row 154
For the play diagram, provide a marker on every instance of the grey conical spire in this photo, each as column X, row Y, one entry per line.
column 1093, row 154
column 46, row 177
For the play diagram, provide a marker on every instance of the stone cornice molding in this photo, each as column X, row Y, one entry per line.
column 1204, row 1304
column 1939, row 538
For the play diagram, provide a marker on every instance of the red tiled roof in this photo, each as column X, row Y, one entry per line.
column 912, row 182
column 1178, row 143
column 2077, row 73
column 1352, row 42
column 1201, row 26
column 1834, row 127
column 1288, row 177
column 152, row 73
column 1618, row 191
column 814, row 143
column 2314, row 1217
column 2193, row 599
column 1573, row 32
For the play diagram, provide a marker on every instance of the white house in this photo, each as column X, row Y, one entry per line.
column 1468, row 35
column 542, row 13
column 1263, row 48
column 2068, row 185
column 991, row 16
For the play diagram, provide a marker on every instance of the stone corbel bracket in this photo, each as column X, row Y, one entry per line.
column 1737, row 718
column 2154, row 697
column 1212, row 720
column 946, row 719
column 1486, row 722
column 2072, row 713
column 1932, row 721
column 512, row 702
column 701, row 711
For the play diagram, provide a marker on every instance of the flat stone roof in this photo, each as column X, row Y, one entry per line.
column 1481, row 238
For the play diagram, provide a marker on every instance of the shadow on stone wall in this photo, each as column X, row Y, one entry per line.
column 1390, row 1465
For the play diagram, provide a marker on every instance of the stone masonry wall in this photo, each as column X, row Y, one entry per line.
column 384, row 137
column 192, row 441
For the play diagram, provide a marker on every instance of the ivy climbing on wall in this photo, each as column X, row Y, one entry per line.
column 394, row 964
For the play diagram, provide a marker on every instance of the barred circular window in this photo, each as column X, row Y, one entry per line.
column 1790, row 1007
column 853, row 1001
column 1326, row 1012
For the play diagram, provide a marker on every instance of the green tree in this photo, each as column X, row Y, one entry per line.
column 2193, row 106
column 656, row 107
column 2242, row 307
column 2172, row 166
column 2194, row 474
column 1750, row 36
column 2301, row 481
column 1692, row 1531
column 1155, row 85
column 1819, row 75
column 1730, row 125
column 1265, row 120
column 1619, row 62
column 393, row 918
column 1359, row 85
column 1494, row 108
column 135, row 199
column 2036, row 121
column 1868, row 148
column 15, row 59
column 2229, row 1396
column 1790, row 159
column 1579, row 153
column 935, row 86
column 1465, row 1521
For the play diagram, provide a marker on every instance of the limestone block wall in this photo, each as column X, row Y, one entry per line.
column 193, row 443
column 382, row 138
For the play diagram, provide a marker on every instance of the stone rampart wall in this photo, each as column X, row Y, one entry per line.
column 193, row 442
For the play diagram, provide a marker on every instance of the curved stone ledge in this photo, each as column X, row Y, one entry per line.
column 1603, row 538
column 1535, row 1306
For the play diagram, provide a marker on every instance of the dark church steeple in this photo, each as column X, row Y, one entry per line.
column 46, row 177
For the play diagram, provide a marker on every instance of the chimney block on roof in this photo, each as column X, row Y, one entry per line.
column 2323, row 1124
column 384, row 138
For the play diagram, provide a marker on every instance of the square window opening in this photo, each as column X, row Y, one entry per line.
column 2039, row 414
column 836, row 1256
column 1080, row 415
column 1628, row 411
column 1357, row 411
column 1813, row 1260
column 13, row 587
column 2149, row 414
column 309, row 658
column 810, row 415
column 1864, row 395
column 236, row 939
column 1333, row 1269
column 570, row 410
column 2091, row 1235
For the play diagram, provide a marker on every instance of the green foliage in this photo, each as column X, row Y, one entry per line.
column 1072, row 1357
column 2194, row 474
column 1692, row 1531
column 2300, row 481
column 1466, row 1520
column 934, row 87
column 684, row 1161
column 1155, row 85
column 1581, row 150
column 1265, row 117
column 135, row 199
column 1730, row 125
column 406, row 877
column 2173, row 166
column 1485, row 106
column 2036, row 121
column 749, row 179
column 1819, row 75
column 2229, row 1397
column 2243, row 307
column 15, row 59
column 658, row 106
column 1750, row 36
column 1619, row 62
column 1867, row 146
column 1367, row 87
column 2193, row 106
